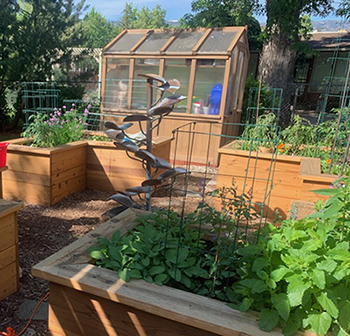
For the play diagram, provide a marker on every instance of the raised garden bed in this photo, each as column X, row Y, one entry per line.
column 84, row 297
column 294, row 177
column 9, row 267
column 46, row 175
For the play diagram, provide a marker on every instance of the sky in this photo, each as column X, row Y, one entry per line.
column 175, row 9
column 112, row 9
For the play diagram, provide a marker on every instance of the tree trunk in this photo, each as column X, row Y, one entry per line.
column 276, row 68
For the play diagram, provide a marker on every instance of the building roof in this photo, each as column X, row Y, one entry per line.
column 329, row 40
column 201, row 41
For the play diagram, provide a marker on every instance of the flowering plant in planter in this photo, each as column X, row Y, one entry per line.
column 58, row 128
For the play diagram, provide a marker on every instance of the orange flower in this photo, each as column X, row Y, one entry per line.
column 281, row 146
column 328, row 161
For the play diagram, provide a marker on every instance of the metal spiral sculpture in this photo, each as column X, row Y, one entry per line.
column 150, row 163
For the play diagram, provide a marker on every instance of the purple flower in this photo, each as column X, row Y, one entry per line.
column 73, row 104
column 89, row 106
column 64, row 106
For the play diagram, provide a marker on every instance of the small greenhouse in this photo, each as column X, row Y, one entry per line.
column 211, row 65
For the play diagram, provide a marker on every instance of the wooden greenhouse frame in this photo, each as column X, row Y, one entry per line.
column 217, row 55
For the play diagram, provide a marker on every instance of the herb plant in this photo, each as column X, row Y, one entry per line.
column 60, row 127
column 298, row 274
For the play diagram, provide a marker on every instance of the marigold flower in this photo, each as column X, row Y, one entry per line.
column 280, row 146
column 328, row 161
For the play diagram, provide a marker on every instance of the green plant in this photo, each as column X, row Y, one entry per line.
column 299, row 136
column 297, row 275
column 167, row 249
column 60, row 127
column 261, row 134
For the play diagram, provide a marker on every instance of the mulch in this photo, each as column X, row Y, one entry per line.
column 42, row 232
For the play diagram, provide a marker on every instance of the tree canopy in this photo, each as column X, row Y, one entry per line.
column 144, row 18
column 98, row 30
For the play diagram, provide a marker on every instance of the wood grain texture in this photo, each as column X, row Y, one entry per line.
column 8, row 280
column 70, row 268
column 294, row 178
column 88, row 312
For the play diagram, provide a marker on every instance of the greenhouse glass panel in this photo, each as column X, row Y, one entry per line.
column 179, row 69
column 154, row 42
column 218, row 41
column 117, row 83
column 125, row 43
column 208, row 86
column 185, row 41
column 139, row 89
column 236, row 87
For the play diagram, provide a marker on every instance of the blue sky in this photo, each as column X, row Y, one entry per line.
column 175, row 9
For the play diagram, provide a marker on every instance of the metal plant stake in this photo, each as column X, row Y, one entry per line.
column 150, row 163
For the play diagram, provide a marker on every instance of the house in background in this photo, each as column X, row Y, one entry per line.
column 322, row 73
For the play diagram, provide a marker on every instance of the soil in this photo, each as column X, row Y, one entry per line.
column 43, row 231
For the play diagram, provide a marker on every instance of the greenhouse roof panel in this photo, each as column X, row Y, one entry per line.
column 125, row 43
column 155, row 41
column 219, row 41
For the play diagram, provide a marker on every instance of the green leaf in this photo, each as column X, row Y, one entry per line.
column 279, row 273
column 124, row 274
column 135, row 274
column 156, row 270
column 296, row 289
column 245, row 304
column 160, row 278
column 146, row 261
column 97, row 255
column 319, row 279
column 259, row 286
column 186, row 281
column 183, row 254
column 319, row 323
column 115, row 253
column 327, row 265
column 344, row 314
column 259, row 264
column 291, row 327
column 327, row 304
column 116, row 236
column 342, row 332
column 175, row 274
column 268, row 319
column 326, row 192
column 281, row 303
column 171, row 255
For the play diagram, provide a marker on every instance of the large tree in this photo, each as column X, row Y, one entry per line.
column 145, row 18
column 213, row 13
column 34, row 35
column 282, row 34
column 99, row 31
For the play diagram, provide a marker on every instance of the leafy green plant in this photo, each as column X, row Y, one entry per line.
column 261, row 134
column 297, row 275
column 60, row 127
column 165, row 249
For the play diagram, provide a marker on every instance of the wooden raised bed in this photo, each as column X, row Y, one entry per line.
column 9, row 267
column 46, row 175
column 294, row 177
column 84, row 297
column 109, row 169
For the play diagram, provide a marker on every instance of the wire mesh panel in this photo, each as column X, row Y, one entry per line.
column 212, row 211
column 263, row 101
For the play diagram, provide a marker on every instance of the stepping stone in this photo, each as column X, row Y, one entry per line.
column 25, row 310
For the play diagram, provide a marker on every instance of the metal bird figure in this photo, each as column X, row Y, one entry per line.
column 171, row 86
column 113, row 126
column 115, row 135
column 155, row 77
column 171, row 100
